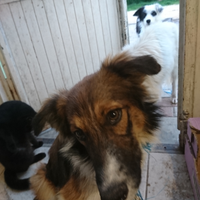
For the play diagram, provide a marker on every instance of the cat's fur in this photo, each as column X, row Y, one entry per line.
column 17, row 142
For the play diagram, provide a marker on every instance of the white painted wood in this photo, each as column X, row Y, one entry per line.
column 52, row 44
column 74, row 32
column 67, row 39
column 45, row 31
column 12, row 67
column 105, row 26
column 7, row 1
column 58, row 42
column 90, row 25
column 28, row 49
column 98, row 27
column 114, row 25
column 85, row 46
column 18, row 55
column 38, row 45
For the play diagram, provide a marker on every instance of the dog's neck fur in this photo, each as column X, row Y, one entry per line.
column 83, row 165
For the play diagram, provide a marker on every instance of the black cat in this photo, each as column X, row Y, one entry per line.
column 17, row 142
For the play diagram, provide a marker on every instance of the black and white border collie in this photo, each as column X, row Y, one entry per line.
column 147, row 15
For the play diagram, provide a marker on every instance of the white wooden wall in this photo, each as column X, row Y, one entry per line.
column 52, row 44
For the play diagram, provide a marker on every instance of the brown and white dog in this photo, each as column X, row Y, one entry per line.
column 103, row 122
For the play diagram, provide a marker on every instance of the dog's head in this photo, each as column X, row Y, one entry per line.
column 103, row 121
column 148, row 14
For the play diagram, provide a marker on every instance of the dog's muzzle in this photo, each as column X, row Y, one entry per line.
column 148, row 21
column 115, row 192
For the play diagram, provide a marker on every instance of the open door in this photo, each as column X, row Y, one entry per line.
column 189, row 64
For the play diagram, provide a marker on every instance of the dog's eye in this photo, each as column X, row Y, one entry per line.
column 153, row 13
column 114, row 116
column 80, row 135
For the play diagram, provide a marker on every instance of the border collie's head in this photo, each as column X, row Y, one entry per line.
column 147, row 15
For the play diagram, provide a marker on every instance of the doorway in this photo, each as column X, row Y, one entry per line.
column 165, row 162
column 169, row 134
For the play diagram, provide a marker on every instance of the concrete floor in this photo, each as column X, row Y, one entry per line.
column 165, row 175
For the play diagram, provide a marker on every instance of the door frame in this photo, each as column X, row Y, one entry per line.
column 189, row 57
column 123, row 20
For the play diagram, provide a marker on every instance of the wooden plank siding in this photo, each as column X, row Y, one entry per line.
column 52, row 44
column 18, row 53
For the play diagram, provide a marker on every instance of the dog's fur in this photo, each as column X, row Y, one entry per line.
column 147, row 15
column 103, row 122
column 17, row 142
column 160, row 40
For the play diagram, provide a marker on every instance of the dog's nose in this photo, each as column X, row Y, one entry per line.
column 148, row 21
column 115, row 192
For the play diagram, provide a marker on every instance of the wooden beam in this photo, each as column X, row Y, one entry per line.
column 188, row 56
column 196, row 106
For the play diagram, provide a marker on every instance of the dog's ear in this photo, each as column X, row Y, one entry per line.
column 53, row 112
column 158, row 7
column 125, row 65
column 137, row 13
